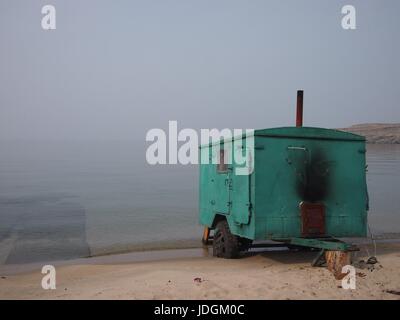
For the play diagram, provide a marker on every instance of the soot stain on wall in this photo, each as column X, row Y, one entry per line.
column 312, row 183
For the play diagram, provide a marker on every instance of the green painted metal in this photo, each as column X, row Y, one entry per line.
column 265, row 204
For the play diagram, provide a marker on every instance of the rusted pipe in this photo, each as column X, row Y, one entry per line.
column 299, row 113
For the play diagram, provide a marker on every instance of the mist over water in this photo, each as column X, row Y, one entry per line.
column 63, row 200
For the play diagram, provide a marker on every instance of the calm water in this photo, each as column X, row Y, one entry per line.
column 70, row 199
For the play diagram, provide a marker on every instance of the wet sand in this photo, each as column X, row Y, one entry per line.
column 195, row 274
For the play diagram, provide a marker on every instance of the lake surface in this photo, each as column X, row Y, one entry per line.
column 62, row 200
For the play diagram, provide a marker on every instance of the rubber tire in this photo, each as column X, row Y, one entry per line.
column 225, row 244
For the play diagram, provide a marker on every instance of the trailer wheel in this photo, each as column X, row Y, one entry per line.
column 225, row 244
column 245, row 244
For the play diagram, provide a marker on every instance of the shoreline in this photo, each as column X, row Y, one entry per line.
column 146, row 256
column 151, row 253
column 148, row 246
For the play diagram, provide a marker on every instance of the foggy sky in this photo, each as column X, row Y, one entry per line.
column 115, row 69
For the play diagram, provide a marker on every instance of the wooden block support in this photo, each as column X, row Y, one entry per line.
column 336, row 260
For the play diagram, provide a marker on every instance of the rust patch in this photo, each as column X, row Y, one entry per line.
column 206, row 236
column 313, row 219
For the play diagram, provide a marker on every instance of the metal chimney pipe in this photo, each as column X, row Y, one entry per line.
column 299, row 113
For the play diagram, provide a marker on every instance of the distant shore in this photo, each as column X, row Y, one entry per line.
column 195, row 274
column 378, row 133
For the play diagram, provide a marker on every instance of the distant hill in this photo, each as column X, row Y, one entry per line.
column 377, row 132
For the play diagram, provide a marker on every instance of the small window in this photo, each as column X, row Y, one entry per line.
column 222, row 167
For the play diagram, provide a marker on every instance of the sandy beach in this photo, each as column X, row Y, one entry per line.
column 195, row 274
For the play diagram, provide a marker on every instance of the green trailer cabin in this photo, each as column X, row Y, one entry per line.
column 307, row 188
